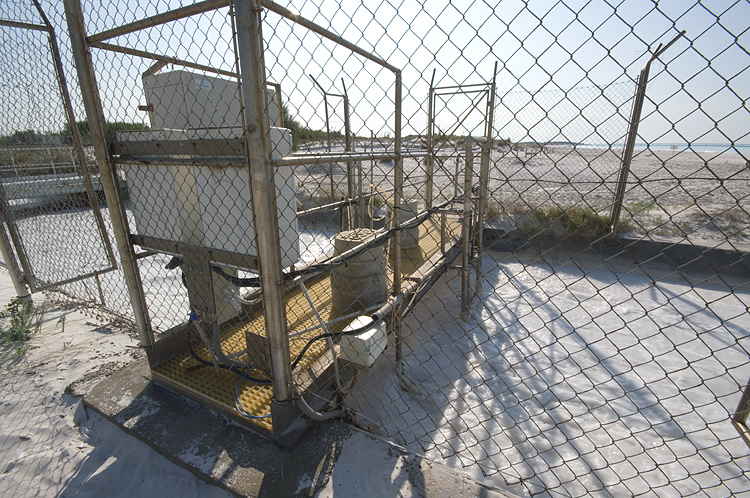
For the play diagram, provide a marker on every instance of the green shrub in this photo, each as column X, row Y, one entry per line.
column 18, row 323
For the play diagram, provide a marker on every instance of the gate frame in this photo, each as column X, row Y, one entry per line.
column 27, row 278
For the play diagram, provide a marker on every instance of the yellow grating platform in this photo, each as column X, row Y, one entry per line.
column 183, row 373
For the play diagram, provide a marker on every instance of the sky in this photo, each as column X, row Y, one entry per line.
column 566, row 70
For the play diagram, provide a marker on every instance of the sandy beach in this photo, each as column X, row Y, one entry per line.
column 702, row 196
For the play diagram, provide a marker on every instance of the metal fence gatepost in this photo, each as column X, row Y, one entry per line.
column 252, row 71
column 97, row 125
column 22, row 291
column 635, row 117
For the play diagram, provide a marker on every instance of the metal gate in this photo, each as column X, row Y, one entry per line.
column 49, row 200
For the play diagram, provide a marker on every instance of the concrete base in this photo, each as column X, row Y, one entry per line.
column 224, row 454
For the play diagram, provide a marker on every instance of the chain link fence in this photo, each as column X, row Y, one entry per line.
column 457, row 224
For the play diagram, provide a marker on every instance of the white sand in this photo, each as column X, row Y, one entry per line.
column 566, row 383
column 51, row 446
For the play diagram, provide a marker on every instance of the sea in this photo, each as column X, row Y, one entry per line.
column 743, row 149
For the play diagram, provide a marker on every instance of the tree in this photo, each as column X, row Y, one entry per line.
column 303, row 133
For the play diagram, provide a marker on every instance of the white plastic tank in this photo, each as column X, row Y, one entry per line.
column 362, row 281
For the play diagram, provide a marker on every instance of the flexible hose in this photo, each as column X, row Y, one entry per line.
column 234, row 370
column 311, row 413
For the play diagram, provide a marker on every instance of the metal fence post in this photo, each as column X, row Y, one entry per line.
column 635, row 117
column 22, row 291
column 95, row 115
column 398, row 188
column 252, row 71
column 466, row 229
column 430, row 159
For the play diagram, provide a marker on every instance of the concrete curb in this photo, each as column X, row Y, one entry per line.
column 227, row 455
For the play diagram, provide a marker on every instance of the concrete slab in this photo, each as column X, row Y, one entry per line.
column 333, row 458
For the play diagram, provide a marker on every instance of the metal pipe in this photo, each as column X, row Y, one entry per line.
column 22, row 291
column 460, row 86
column 484, row 170
column 381, row 236
column 398, row 187
column 15, row 237
column 155, row 68
column 23, row 25
column 466, row 230
column 221, row 162
column 635, row 118
column 742, row 412
column 162, row 58
column 417, row 288
column 361, row 206
column 149, row 22
column 239, row 161
column 332, row 205
column 76, row 137
column 430, row 159
column 460, row 91
column 484, row 173
column 328, row 134
column 350, row 181
column 252, row 70
column 95, row 116
column 294, row 17
column 300, row 159
column 48, row 285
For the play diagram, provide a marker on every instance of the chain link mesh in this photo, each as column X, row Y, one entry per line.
column 527, row 343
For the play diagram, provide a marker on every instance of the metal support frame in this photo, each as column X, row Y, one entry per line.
column 94, row 113
column 742, row 413
column 161, row 58
column 430, row 159
column 635, row 118
column 252, row 71
column 351, row 183
column 472, row 226
column 328, row 132
column 15, row 238
column 23, row 25
column 466, row 222
column 22, row 291
column 279, row 103
column 484, row 181
column 257, row 148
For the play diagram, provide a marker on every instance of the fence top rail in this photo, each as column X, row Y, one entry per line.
column 24, row 25
column 209, row 5
column 301, row 159
column 149, row 22
column 462, row 86
column 25, row 148
column 294, row 17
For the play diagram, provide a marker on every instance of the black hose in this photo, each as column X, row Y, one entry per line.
column 318, row 269
column 329, row 334
column 234, row 370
